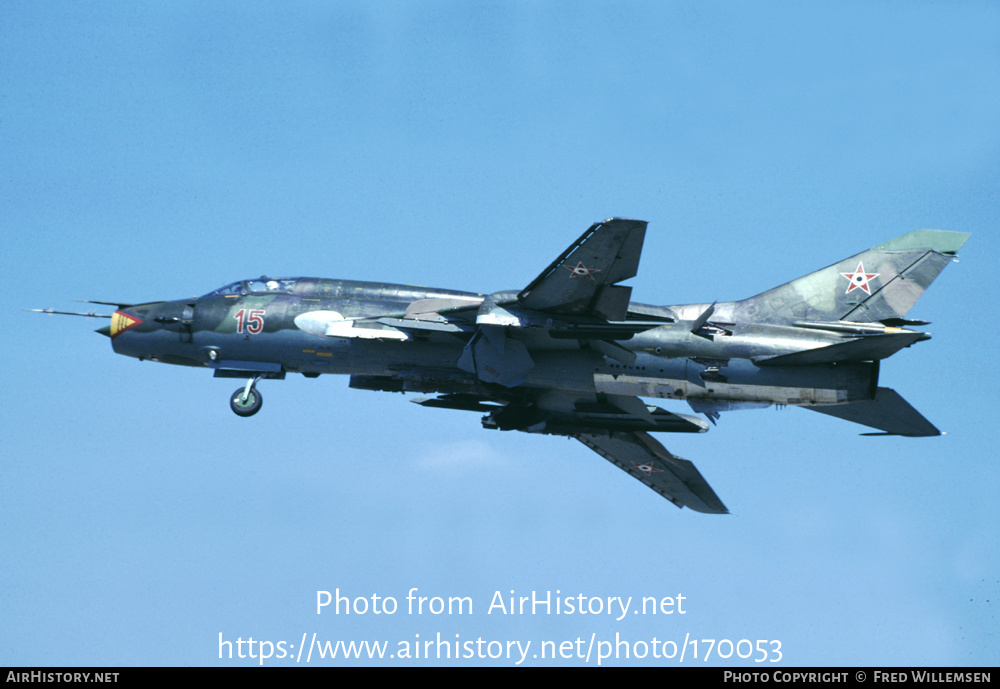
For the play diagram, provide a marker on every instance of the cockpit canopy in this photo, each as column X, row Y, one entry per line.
column 325, row 288
column 261, row 285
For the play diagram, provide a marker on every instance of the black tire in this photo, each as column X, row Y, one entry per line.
column 248, row 408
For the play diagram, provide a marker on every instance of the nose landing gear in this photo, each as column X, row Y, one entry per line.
column 246, row 401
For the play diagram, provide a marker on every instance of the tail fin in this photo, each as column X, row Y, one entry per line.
column 881, row 284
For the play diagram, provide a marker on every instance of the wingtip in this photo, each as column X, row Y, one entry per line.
column 618, row 218
column 709, row 509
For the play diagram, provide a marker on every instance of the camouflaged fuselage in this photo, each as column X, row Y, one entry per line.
column 296, row 330
column 571, row 354
column 260, row 326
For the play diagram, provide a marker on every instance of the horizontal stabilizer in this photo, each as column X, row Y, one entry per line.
column 887, row 412
column 644, row 458
column 866, row 348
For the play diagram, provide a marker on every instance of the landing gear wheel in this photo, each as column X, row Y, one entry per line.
column 248, row 406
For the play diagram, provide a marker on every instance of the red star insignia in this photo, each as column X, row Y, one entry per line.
column 859, row 279
column 648, row 469
column 581, row 271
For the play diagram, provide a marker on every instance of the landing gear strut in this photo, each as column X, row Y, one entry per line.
column 246, row 401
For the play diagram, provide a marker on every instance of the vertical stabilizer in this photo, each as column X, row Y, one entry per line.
column 881, row 284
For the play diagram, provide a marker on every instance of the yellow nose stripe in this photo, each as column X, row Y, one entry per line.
column 120, row 322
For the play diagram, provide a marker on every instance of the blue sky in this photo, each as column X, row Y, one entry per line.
column 157, row 151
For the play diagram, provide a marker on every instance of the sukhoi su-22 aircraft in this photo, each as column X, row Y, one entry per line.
column 571, row 354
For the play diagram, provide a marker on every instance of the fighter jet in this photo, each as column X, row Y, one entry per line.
column 570, row 354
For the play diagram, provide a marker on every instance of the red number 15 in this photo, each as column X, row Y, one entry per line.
column 253, row 320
